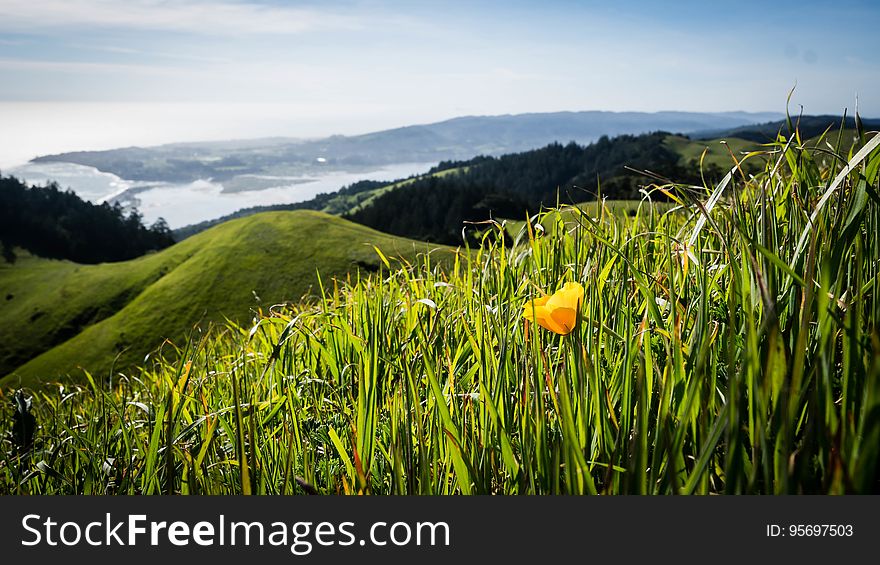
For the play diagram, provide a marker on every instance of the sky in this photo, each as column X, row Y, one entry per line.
column 90, row 74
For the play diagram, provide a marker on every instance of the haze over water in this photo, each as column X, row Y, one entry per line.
column 181, row 204
column 32, row 129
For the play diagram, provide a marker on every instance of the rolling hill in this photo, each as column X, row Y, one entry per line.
column 435, row 208
column 58, row 316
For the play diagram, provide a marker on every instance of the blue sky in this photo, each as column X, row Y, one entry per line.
column 345, row 66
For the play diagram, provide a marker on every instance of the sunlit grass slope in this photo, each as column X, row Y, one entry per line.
column 717, row 151
column 727, row 346
column 570, row 217
column 46, row 302
column 722, row 151
column 97, row 316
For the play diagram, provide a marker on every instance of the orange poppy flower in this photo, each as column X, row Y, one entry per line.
column 557, row 313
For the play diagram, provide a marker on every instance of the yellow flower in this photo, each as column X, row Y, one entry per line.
column 557, row 313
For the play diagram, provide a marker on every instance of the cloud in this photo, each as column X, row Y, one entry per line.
column 210, row 17
column 505, row 73
column 85, row 67
column 77, row 69
column 118, row 50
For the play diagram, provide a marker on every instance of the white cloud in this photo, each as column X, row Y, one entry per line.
column 179, row 56
column 81, row 67
column 212, row 17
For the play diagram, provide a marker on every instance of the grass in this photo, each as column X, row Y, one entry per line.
column 716, row 152
column 824, row 148
column 47, row 302
column 570, row 217
column 62, row 315
column 727, row 346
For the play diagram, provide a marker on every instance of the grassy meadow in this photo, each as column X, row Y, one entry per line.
column 726, row 343
column 98, row 317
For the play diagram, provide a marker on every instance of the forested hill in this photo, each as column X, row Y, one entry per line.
column 55, row 223
column 807, row 126
column 434, row 208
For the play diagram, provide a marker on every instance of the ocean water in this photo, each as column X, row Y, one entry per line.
column 181, row 204
column 30, row 129
column 87, row 182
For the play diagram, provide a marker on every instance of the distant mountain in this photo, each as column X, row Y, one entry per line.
column 459, row 138
column 462, row 138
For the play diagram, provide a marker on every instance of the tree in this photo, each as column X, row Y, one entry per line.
column 51, row 222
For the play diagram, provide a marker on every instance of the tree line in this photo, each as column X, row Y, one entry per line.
column 435, row 208
column 55, row 223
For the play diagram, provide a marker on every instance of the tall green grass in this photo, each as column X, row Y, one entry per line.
column 728, row 345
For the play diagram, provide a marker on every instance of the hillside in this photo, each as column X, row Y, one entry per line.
column 435, row 208
column 808, row 126
column 61, row 315
column 513, row 186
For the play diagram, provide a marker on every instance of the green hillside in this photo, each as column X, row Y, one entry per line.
column 58, row 316
column 716, row 152
column 343, row 206
column 807, row 126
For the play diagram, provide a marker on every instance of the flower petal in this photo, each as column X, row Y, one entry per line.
column 565, row 319
column 533, row 305
column 557, row 313
column 571, row 295
column 542, row 316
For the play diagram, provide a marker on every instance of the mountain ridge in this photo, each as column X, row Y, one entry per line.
column 456, row 138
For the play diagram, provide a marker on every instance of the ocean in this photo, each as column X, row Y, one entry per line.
column 181, row 204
